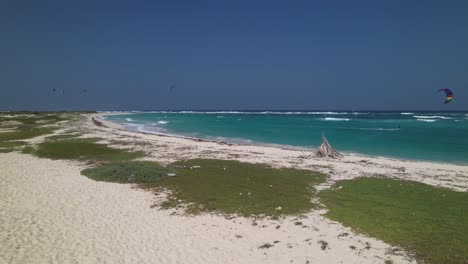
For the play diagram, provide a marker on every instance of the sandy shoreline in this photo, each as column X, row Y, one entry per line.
column 50, row 213
column 173, row 148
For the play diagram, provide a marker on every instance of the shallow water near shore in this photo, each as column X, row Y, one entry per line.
column 429, row 136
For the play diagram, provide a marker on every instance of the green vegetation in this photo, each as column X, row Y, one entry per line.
column 36, row 119
column 24, row 134
column 220, row 186
column 27, row 150
column 63, row 146
column 11, row 144
column 234, row 187
column 128, row 172
column 25, row 127
column 6, row 150
column 429, row 221
column 62, row 136
column 83, row 149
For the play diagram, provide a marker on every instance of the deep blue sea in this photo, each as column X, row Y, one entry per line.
column 428, row 136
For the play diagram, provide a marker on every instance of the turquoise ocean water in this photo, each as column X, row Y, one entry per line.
column 417, row 135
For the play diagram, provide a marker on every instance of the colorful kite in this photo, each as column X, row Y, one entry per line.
column 449, row 95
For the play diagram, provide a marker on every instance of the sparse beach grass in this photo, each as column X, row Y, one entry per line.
column 6, row 150
column 141, row 172
column 221, row 186
column 62, row 146
column 27, row 119
column 429, row 221
column 24, row 133
column 26, row 126
column 246, row 189
column 11, row 144
column 63, row 136
column 25, row 129
column 83, row 149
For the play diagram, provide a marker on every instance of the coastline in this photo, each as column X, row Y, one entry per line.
column 49, row 201
column 453, row 176
column 386, row 153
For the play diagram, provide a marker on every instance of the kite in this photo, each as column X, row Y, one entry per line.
column 54, row 90
column 449, row 95
column 171, row 87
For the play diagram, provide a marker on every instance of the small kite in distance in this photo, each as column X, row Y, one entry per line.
column 171, row 87
column 449, row 95
column 54, row 90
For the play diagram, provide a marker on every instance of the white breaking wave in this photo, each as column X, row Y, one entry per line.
column 128, row 119
column 432, row 117
column 380, row 129
column 406, row 113
column 335, row 119
column 163, row 122
column 252, row 112
column 328, row 113
column 427, row 120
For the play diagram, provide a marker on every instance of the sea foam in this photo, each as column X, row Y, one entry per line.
column 335, row 119
column 432, row 117
column 427, row 120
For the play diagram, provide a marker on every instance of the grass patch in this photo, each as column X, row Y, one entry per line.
column 37, row 119
column 232, row 187
column 24, row 134
column 7, row 150
column 220, row 186
column 27, row 150
column 128, row 172
column 83, row 149
column 62, row 137
column 11, row 144
column 429, row 221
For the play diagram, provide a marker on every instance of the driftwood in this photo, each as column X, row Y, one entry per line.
column 326, row 150
column 97, row 123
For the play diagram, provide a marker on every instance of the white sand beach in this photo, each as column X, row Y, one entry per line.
column 49, row 213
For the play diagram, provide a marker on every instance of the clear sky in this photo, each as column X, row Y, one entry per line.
column 357, row 55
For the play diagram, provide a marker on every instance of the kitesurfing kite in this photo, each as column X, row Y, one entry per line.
column 449, row 95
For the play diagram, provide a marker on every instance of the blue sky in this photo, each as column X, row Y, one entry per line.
column 358, row 55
